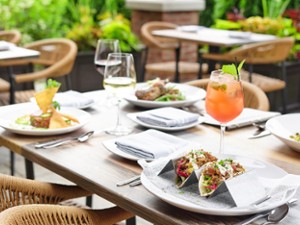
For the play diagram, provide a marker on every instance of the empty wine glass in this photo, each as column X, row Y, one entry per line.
column 119, row 79
column 224, row 99
column 104, row 47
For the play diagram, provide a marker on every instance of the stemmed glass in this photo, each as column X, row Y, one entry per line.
column 224, row 100
column 104, row 47
column 119, row 79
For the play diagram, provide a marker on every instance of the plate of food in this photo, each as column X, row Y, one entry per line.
column 43, row 118
column 191, row 186
column 286, row 128
column 161, row 93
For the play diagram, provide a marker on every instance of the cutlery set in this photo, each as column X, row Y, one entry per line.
column 133, row 181
column 273, row 216
column 260, row 132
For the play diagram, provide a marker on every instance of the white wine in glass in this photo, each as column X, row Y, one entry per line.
column 120, row 80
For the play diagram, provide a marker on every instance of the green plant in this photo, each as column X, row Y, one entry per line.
column 36, row 19
column 274, row 8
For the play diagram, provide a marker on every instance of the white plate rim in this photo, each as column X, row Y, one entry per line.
column 271, row 123
column 133, row 117
column 189, row 206
column 153, row 104
column 25, row 108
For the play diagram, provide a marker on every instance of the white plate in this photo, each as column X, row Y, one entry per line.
column 192, row 95
column 10, row 113
column 283, row 127
column 133, row 117
column 262, row 169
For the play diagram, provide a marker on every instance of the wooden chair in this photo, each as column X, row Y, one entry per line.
column 170, row 68
column 13, row 36
column 268, row 52
column 34, row 202
column 254, row 97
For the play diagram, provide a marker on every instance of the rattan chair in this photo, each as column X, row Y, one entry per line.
column 20, row 191
column 57, row 57
column 254, row 97
column 13, row 36
column 268, row 52
column 61, row 215
column 169, row 68
column 32, row 202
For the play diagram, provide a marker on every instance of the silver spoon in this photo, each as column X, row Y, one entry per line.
column 277, row 214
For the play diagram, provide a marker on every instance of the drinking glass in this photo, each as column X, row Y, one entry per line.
column 104, row 47
column 224, row 100
column 119, row 79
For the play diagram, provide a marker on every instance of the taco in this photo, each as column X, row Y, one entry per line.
column 214, row 173
column 190, row 162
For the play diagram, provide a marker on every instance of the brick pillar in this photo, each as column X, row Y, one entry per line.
column 188, row 51
column 185, row 12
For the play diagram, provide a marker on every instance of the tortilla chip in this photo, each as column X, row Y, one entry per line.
column 57, row 121
column 44, row 98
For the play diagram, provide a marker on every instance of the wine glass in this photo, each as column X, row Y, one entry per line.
column 119, row 79
column 104, row 47
column 224, row 99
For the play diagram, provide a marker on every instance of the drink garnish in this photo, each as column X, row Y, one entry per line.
column 233, row 69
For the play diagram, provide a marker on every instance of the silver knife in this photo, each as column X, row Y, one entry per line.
column 259, row 135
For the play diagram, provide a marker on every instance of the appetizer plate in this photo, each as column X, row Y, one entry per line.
column 283, row 127
column 9, row 114
column 133, row 117
column 192, row 94
column 172, row 195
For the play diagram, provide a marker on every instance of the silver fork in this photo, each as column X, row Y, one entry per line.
column 133, row 181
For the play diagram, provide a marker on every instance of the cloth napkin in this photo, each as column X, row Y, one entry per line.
column 4, row 46
column 168, row 117
column 73, row 99
column 150, row 144
column 246, row 118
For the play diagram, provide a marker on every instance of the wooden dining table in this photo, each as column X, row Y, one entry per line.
column 95, row 168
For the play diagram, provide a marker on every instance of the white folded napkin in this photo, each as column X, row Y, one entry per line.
column 150, row 144
column 247, row 117
column 4, row 46
column 167, row 117
column 73, row 99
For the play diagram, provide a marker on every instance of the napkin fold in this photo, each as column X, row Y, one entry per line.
column 73, row 99
column 150, row 144
column 246, row 118
column 167, row 117
column 4, row 46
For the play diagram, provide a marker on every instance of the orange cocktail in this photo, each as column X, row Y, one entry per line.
column 224, row 99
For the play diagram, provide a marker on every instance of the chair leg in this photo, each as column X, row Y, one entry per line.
column 144, row 62
column 284, row 94
column 12, row 163
column 12, row 85
column 131, row 221
column 29, row 169
column 177, row 58
column 200, row 62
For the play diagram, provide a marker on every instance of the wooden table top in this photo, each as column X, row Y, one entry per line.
column 214, row 37
column 93, row 167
